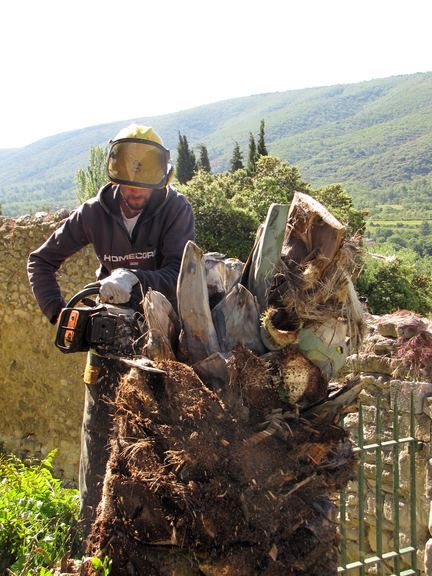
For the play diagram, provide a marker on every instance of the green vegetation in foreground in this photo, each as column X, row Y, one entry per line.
column 38, row 517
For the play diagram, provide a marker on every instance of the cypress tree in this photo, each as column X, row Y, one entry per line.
column 181, row 160
column 89, row 180
column 192, row 163
column 261, row 147
column 236, row 158
column 252, row 156
column 186, row 162
column 203, row 160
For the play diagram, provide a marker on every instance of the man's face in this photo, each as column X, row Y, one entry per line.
column 135, row 198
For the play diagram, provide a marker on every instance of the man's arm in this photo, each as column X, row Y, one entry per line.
column 44, row 262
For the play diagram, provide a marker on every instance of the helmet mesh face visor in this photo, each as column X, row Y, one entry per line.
column 137, row 162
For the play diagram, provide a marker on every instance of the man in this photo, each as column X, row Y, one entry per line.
column 138, row 226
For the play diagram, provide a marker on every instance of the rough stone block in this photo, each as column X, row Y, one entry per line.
column 401, row 392
column 369, row 363
column 386, row 539
column 428, row 484
column 428, row 558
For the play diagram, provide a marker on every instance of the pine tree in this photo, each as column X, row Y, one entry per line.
column 261, row 147
column 236, row 158
column 203, row 160
column 186, row 162
column 252, row 156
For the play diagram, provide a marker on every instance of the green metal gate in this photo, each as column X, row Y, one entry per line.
column 399, row 560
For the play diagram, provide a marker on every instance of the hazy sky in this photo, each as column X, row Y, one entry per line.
column 68, row 65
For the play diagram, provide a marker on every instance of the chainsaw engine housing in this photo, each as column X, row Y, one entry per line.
column 105, row 329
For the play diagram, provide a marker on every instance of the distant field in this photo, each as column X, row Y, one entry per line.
column 397, row 223
column 393, row 206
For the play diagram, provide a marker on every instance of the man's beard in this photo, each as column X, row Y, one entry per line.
column 130, row 204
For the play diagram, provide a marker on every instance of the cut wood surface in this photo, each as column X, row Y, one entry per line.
column 236, row 320
column 199, row 338
column 162, row 327
column 266, row 254
column 312, row 232
column 222, row 274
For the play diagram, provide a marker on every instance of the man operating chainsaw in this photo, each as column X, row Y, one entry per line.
column 138, row 225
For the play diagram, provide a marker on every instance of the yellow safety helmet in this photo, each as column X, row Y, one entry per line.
column 137, row 157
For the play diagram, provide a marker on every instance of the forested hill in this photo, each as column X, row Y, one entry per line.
column 374, row 137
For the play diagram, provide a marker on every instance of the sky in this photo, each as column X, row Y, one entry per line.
column 70, row 65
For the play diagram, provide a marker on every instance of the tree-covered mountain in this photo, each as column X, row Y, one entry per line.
column 374, row 137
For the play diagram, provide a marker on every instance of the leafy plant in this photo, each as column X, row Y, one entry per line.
column 102, row 567
column 38, row 517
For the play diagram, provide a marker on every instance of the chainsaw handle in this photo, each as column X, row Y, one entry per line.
column 90, row 290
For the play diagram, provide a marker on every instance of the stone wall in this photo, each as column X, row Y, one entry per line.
column 386, row 376
column 41, row 390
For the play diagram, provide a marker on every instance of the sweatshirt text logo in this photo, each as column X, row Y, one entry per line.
column 134, row 257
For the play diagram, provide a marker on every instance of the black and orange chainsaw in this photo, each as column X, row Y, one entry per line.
column 105, row 329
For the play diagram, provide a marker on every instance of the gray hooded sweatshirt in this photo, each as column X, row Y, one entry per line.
column 153, row 253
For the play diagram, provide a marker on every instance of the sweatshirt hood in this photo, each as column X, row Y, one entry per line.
column 109, row 198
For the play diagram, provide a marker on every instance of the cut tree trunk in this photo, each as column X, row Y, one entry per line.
column 224, row 461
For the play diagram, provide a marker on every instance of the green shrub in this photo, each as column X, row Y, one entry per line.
column 400, row 282
column 229, row 207
column 221, row 225
column 38, row 517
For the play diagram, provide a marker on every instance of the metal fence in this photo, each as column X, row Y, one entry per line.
column 399, row 560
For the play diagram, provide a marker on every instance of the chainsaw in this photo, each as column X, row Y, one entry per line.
column 104, row 329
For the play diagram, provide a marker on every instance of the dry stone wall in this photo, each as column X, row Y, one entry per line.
column 386, row 372
column 41, row 390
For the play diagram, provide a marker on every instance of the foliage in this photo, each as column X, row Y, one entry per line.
column 37, row 516
column 273, row 181
column 261, row 146
column 203, row 159
column 340, row 204
column 228, row 207
column 399, row 282
column 236, row 161
column 102, row 567
column 220, row 225
column 186, row 161
column 90, row 179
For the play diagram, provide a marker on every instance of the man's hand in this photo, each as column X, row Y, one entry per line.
column 117, row 288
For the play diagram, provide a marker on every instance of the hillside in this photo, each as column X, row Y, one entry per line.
column 375, row 137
